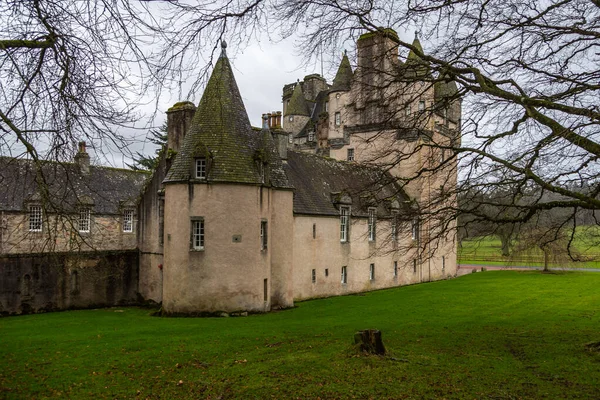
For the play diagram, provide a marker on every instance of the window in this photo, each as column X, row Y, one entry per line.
column 265, row 290
column 415, row 229
column 161, row 221
column 198, row 234
column 350, row 155
column 35, row 218
column 311, row 136
column 372, row 272
column 395, row 269
column 314, row 231
column 407, row 110
column 128, row 221
column 372, row 224
column 326, row 106
column 201, row 168
column 421, row 105
column 338, row 119
column 344, row 221
column 344, row 275
column 290, row 138
column 414, row 266
column 394, row 222
column 443, row 263
column 291, row 118
column 326, row 272
column 263, row 235
column 313, row 276
column 84, row 220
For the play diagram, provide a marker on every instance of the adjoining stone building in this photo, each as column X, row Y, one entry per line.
column 236, row 218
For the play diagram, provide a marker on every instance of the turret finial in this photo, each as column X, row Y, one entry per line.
column 417, row 34
column 223, row 48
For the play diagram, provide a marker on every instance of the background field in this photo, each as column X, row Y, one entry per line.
column 487, row 250
column 500, row 335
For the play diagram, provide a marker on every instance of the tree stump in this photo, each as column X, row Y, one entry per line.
column 370, row 341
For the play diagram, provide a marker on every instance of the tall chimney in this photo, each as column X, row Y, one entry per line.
column 82, row 159
column 179, row 119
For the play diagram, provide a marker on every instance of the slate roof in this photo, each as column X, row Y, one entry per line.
column 317, row 179
column 297, row 104
column 106, row 188
column 415, row 66
column 343, row 77
column 221, row 132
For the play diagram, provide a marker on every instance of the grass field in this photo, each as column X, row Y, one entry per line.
column 488, row 251
column 496, row 335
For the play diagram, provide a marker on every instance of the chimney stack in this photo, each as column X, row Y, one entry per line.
column 82, row 159
column 179, row 119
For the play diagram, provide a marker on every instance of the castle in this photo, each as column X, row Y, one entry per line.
column 316, row 202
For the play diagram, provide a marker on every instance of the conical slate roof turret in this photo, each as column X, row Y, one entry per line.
column 297, row 104
column 415, row 65
column 344, row 75
column 221, row 133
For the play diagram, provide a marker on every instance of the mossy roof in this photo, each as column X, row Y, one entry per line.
column 344, row 75
column 316, row 179
column 297, row 104
column 221, row 132
column 104, row 187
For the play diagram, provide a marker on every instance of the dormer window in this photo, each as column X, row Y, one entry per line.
column 201, row 168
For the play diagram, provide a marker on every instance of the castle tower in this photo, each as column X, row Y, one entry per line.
column 226, row 196
column 296, row 113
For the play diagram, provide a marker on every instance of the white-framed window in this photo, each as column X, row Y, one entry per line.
column 344, row 275
column 372, row 224
column 35, row 218
column 198, row 234
column 201, row 168
column 127, row 220
column 344, row 223
column 85, row 217
column 421, row 105
column 350, row 156
column 372, row 272
column 338, row 119
column 291, row 118
column 311, row 136
column 290, row 138
column 415, row 229
column 263, row 235
column 395, row 269
column 313, row 276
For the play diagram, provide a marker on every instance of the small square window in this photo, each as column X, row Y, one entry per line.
column 128, row 221
column 198, row 234
column 35, row 218
column 201, row 168
column 84, row 220
column 350, row 156
column 344, row 275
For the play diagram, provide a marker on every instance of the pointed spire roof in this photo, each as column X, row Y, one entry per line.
column 343, row 78
column 221, row 132
column 297, row 104
column 415, row 64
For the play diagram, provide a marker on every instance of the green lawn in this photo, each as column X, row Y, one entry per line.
column 488, row 251
column 492, row 335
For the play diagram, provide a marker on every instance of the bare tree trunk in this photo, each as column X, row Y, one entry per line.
column 370, row 341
